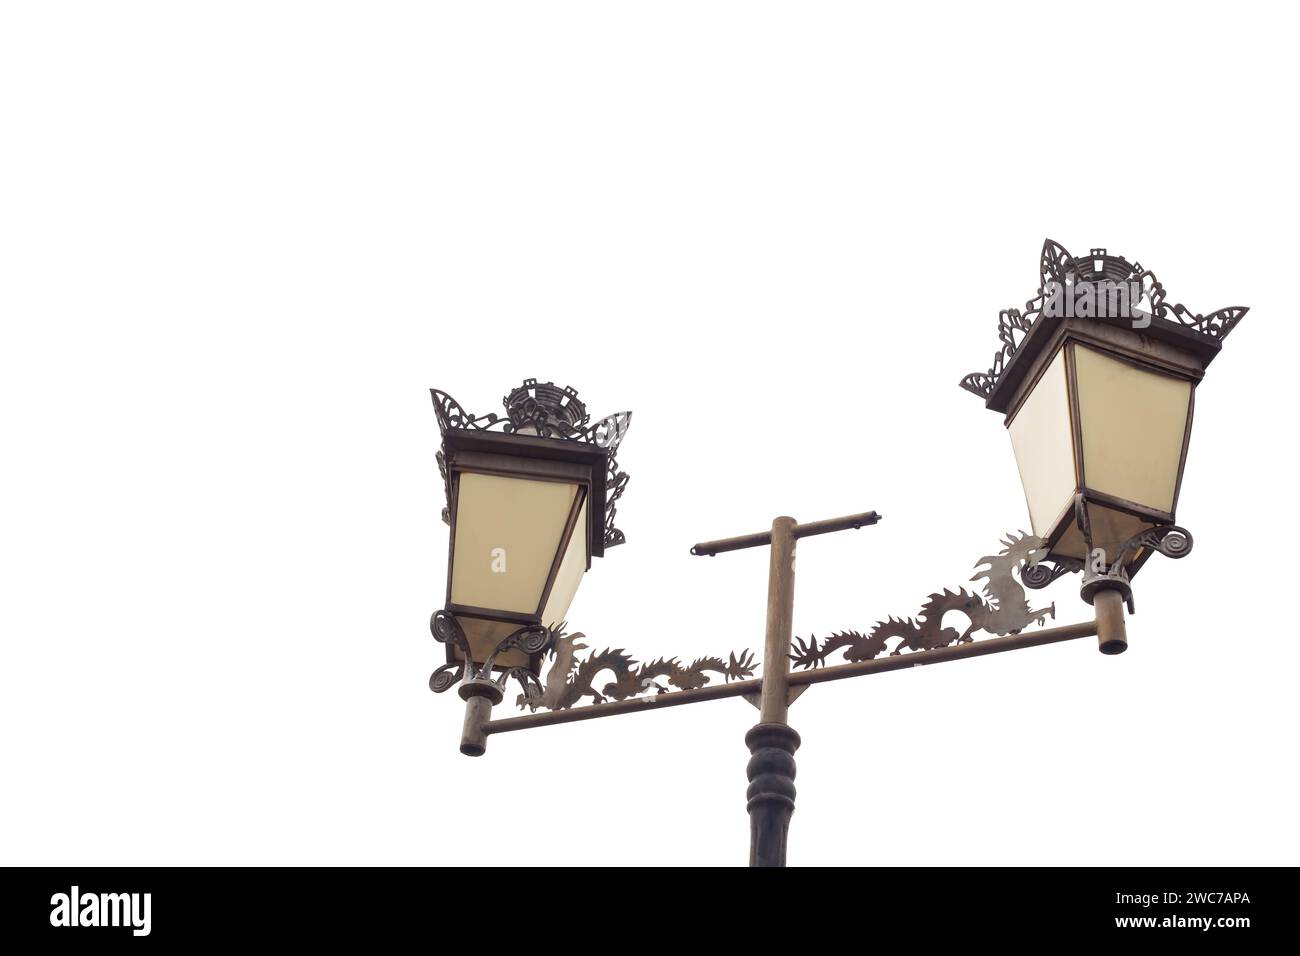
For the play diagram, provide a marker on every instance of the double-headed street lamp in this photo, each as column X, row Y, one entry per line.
column 1095, row 378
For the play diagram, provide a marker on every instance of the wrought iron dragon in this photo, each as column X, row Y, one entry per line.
column 1056, row 265
column 571, row 678
column 1004, row 609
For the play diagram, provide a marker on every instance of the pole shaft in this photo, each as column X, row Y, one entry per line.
column 772, row 742
column 771, row 791
column 775, row 700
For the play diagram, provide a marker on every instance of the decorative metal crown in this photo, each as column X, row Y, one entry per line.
column 545, row 411
column 549, row 410
column 1056, row 265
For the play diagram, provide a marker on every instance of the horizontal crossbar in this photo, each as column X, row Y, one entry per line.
column 955, row 652
column 710, row 548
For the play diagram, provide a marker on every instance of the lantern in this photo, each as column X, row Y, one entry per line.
column 530, row 501
column 1096, row 381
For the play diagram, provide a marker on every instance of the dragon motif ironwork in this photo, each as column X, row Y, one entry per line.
column 1002, row 610
column 547, row 411
column 571, row 678
column 1056, row 265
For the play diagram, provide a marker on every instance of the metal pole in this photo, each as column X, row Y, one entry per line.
column 775, row 699
column 772, row 742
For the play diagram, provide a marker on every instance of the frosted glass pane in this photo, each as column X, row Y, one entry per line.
column 1133, row 421
column 1044, row 447
column 508, row 533
column 572, row 568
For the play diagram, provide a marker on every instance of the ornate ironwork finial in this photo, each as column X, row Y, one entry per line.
column 546, row 410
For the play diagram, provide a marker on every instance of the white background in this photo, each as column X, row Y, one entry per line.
column 239, row 242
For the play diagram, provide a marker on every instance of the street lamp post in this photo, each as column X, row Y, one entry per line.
column 772, row 741
column 1095, row 379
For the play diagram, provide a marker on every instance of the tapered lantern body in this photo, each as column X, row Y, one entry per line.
column 529, row 506
column 1101, row 431
column 1097, row 381
column 522, row 533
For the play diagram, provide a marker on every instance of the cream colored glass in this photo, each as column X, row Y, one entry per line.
column 508, row 533
column 572, row 568
column 1133, row 421
column 1044, row 448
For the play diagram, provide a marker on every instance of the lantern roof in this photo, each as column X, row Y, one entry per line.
column 1095, row 290
column 542, row 420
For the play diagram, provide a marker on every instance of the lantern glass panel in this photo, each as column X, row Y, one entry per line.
column 1133, row 423
column 508, row 534
column 1044, row 447
column 572, row 567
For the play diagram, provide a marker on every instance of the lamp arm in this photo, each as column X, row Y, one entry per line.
column 799, row 679
column 1003, row 611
